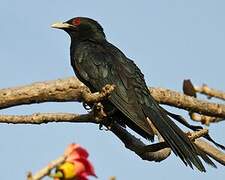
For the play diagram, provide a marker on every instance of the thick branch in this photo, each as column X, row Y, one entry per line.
column 213, row 152
column 179, row 100
column 71, row 89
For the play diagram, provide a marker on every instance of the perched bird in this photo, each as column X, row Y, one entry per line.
column 96, row 62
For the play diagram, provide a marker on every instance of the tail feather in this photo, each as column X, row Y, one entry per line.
column 176, row 139
column 205, row 157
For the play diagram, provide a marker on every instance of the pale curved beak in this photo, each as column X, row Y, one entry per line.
column 62, row 25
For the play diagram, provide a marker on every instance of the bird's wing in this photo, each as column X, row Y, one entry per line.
column 97, row 67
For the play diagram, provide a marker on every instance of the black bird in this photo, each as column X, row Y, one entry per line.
column 97, row 62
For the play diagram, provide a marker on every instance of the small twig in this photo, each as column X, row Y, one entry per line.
column 210, row 92
column 197, row 134
column 206, row 120
column 112, row 178
column 46, row 170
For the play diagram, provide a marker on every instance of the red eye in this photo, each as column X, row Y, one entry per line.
column 76, row 21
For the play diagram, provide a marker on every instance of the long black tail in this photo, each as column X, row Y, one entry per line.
column 175, row 137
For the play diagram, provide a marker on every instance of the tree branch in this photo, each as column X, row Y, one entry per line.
column 210, row 92
column 179, row 100
column 71, row 89
column 190, row 90
column 205, row 119
column 40, row 118
column 213, row 152
column 46, row 170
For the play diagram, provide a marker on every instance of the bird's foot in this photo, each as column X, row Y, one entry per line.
column 101, row 118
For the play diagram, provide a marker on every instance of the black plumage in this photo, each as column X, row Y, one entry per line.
column 96, row 63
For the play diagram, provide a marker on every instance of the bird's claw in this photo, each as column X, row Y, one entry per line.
column 86, row 106
column 101, row 127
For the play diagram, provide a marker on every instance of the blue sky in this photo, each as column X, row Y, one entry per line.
column 169, row 40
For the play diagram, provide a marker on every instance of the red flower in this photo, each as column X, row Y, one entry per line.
column 76, row 165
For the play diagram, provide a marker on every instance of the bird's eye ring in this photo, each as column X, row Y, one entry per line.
column 76, row 21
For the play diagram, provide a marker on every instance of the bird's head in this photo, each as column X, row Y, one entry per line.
column 82, row 28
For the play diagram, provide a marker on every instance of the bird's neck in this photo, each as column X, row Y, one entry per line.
column 97, row 36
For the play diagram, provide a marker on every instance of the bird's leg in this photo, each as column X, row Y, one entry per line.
column 107, row 123
column 99, row 114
